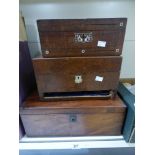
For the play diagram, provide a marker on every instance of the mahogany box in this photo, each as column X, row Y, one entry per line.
column 72, row 118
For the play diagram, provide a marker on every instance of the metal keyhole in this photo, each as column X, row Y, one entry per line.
column 72, row 118
column 78, row 79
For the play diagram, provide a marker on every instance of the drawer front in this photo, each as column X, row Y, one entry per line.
column 77, row 74
column 95, row 37
column 73, row 124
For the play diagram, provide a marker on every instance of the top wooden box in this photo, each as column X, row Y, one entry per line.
column 82, row 37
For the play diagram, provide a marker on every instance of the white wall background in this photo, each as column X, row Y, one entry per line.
column 63, row 9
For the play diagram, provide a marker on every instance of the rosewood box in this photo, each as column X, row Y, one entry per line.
column 79, row 56
column 82, row 37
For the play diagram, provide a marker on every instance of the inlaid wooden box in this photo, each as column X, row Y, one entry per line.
column 79, row 56
column 81, row 37
column 72, row 118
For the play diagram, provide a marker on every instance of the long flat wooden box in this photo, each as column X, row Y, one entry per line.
column 72, row 118
column 61, row 74
column 81, row 37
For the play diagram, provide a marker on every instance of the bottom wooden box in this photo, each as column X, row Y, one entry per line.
column 72, row 118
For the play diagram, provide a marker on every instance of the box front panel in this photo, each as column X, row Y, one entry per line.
column 73, row 124
column 76, row 37
column 77, row 74
column 73, row 43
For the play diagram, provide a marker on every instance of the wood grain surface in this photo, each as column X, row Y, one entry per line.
column 58, row 36
column 58, row 74
column 72, row 118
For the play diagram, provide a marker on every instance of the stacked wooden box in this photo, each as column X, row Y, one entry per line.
column 77, row 77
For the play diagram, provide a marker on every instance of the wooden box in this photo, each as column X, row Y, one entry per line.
column 79, row 55
column 76, row 74
column 72, row 118
column 81, row 37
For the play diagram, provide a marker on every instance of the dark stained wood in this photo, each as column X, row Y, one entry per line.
column 65, row 40
column 80, row 24
column 72, row 118
column 86, row 124
column 58, row 74
column 64, row 57
column 57, row 36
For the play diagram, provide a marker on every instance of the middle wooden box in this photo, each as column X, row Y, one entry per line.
column 76, row 74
